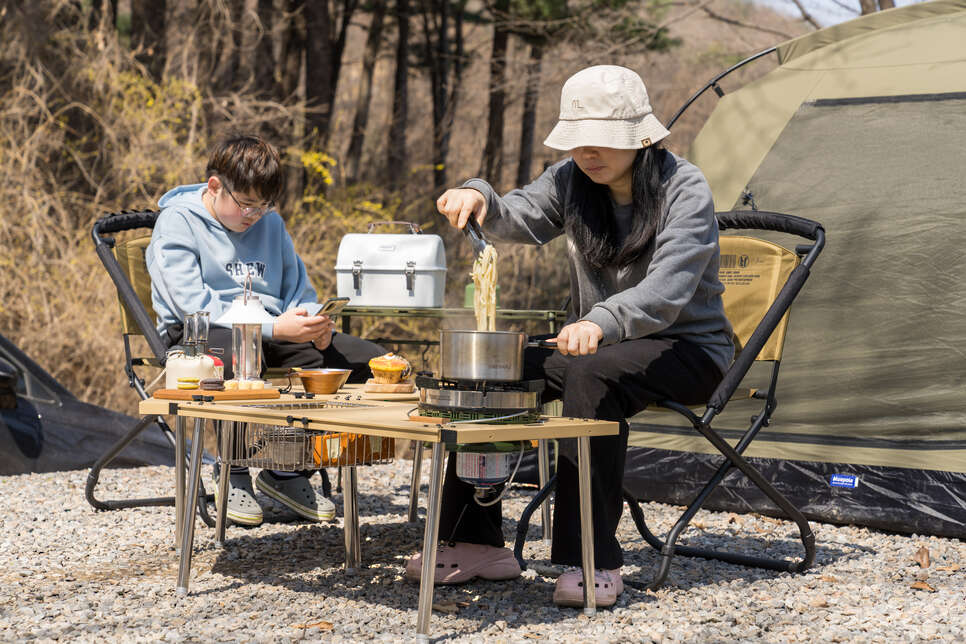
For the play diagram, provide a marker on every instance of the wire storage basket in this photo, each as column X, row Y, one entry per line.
column 287, row 447
column 270, row 446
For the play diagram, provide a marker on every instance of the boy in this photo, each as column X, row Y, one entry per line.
column 207, row 240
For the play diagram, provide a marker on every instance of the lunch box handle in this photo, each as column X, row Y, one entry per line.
column 413, row 227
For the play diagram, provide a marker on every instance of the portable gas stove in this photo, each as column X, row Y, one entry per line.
column 519, row 401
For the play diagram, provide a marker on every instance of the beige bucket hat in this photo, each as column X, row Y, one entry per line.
column 605, row 106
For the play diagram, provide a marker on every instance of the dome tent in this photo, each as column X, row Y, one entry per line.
column 861, row 127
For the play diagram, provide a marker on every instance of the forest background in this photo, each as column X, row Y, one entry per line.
column 376, row 106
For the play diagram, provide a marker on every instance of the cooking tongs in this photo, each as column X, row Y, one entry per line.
column 475, row 235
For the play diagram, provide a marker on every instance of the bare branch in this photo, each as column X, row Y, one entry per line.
column 805, row 15
column 745, row 25
column 685, row 14
column 850, row 8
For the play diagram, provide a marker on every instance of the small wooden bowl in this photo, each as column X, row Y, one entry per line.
column 323, row 381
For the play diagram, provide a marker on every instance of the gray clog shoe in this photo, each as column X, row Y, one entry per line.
column 243, row 509
column 298, row 495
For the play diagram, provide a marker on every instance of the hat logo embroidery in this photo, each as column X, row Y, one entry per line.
column 576, row 104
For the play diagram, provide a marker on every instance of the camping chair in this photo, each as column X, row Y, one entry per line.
column 761, row 281
column 125, row 263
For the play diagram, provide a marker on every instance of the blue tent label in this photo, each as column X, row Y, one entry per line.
column 844, row 480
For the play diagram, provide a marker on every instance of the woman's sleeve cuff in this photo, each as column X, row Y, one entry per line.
column 607, row 322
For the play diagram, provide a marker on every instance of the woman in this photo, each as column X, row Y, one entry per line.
column 647, row 321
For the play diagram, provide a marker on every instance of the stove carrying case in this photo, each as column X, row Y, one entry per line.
column 395, row 270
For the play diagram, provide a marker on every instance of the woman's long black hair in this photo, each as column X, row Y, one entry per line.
column 589, row 217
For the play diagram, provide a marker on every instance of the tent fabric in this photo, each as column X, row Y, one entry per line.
column 896, row 499
column 868, row 23
column 863, row 129
column 925, row 56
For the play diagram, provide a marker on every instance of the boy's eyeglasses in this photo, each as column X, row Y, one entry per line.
column 249, row 211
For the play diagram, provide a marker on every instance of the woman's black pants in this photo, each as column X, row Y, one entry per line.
column 615, row 383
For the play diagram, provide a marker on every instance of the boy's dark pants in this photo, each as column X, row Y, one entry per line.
column 615, row 383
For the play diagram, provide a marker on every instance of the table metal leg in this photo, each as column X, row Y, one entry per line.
column 179, row 474
column 586, row 525
column 414, row 483
column 225, row 432
column 188, row 532
column 543, row 470
column 430, row 538
column 350, row 496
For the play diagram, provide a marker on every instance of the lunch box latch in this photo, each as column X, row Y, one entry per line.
column 410, row 275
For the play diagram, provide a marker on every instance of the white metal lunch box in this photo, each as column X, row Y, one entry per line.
column 398, row 270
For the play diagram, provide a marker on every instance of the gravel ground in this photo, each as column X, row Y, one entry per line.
column 72, row 574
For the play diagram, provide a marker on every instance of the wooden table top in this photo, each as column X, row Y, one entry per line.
column 350, row 412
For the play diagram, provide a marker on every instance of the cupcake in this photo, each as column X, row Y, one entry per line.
column 389, row 368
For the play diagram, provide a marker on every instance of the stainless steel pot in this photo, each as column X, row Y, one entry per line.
column 496, row 356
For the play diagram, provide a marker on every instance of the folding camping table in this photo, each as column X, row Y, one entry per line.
column 374, row 419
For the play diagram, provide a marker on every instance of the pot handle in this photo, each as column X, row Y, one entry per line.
column 549, row 343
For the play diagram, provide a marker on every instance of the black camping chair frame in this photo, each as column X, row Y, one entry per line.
column 735, row 220
column 104, row 245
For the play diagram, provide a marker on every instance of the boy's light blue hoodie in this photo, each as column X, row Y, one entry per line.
column 196, row 264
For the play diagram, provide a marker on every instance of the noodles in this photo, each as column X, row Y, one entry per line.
column 484, row 285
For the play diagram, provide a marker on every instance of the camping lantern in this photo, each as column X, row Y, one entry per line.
column 245, row 317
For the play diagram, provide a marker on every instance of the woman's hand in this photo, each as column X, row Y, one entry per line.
column 579, row 338
column 296, row 325
column 457, row 204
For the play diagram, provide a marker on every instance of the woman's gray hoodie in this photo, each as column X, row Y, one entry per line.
column 671, row 291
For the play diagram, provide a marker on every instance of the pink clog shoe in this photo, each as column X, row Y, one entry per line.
column 460, row 562
column 569, row 590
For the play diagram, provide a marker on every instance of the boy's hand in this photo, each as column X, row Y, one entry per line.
column 296, row 325
column 323, row 341
column 459, row 204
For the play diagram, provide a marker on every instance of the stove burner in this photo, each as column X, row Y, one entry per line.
column 478, row 399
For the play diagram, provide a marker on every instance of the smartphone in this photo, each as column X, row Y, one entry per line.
column 332, row 306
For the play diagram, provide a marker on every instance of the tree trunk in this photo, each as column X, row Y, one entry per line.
column 264, row 60
column 436, row 22
column 323, row 56
column 492, row 164
column 320, row 70
column 396, row 154
column 887, row 4
column 293, row 48
column 147, row 33
column 364, row 96
column 103, row 15
column 449, row 113
column 254, row 44
column 292, row 62
column 227, row 59
column 530, row 97
column 867, row 6
column 179, row 40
